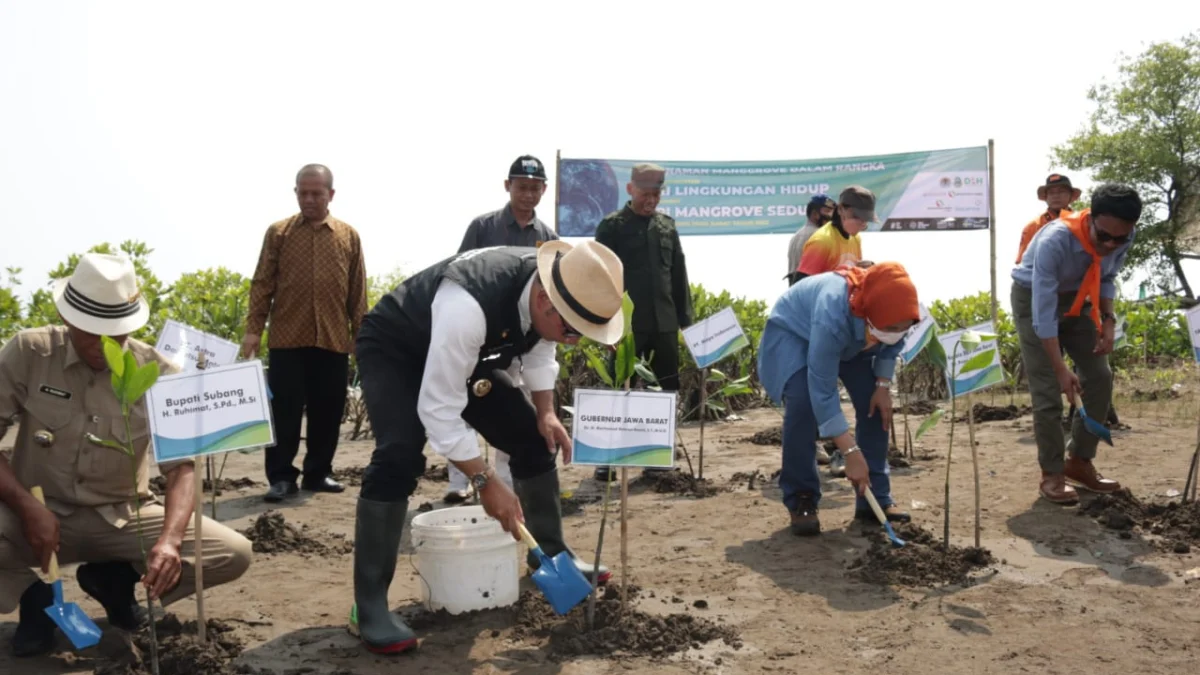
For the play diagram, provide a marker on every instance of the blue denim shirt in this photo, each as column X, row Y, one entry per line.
column 1055, row 263
column 811, row 327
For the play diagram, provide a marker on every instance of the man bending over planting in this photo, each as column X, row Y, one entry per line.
column 1062, row 299
column 454, row 350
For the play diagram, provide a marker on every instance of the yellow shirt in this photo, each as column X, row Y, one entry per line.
column 48, row 388
column 827, row 250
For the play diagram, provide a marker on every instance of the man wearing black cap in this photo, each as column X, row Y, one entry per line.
column 514, row 225
column 655, row 275
column 819, row 212
column 517, row 223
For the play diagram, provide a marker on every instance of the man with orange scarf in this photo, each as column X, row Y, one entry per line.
column 1062, row 299
column 845, row 324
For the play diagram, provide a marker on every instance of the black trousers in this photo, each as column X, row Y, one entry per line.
column 391, row 384
column 663, row 351
column 305, row 382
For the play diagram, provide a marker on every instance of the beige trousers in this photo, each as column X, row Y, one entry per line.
column 85, row 536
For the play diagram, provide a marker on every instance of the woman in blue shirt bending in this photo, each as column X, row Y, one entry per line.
column 845, row 324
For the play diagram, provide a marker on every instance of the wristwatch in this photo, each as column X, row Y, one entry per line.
column 851, row 451
column 1108, row 316
column 480, row 480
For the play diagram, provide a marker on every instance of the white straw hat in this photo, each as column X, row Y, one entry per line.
column 101, row 296
column 586, row 284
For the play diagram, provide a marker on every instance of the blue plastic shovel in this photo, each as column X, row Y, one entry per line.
column 559, row 579
column 68, row 616
column 897, row 542
column 1094, row 428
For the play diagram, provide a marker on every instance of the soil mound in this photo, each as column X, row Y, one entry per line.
column 438, row 474
column 750, row 478
column 179, row 650
column 989, row 413
column 158, row 484
column 767, row 437
column 916, row 408
column 270, row 533
column 573, row 505
column 351, row 476
column 1174, row 526
column 632, row 633
column 924, row 561
column 676, row 483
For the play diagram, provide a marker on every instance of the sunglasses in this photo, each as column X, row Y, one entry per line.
column 1104, row 237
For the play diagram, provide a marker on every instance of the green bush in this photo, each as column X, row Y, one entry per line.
column 752, row 315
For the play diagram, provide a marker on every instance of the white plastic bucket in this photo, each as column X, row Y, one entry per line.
column 468, row 562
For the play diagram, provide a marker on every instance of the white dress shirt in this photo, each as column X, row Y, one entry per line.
column 456, row 336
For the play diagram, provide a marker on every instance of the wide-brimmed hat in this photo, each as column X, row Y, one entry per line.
column 586, row 284
column 1059, row 179
column 101, row 296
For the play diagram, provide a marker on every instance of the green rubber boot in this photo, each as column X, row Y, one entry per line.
column 543, row 516
column 377, row 530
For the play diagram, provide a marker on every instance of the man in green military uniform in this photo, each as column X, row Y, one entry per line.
column 656, row 278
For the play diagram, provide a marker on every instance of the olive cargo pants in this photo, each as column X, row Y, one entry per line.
column 1077, row 335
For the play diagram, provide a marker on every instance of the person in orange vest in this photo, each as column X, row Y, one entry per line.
column 1059, row 194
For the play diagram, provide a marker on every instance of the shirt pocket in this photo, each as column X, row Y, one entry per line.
column 666, row 250
column 112, row 468
column 54, row 417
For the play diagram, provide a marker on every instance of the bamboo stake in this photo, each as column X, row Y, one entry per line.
column 198, row 544
column 703, row 414
column 974, row 461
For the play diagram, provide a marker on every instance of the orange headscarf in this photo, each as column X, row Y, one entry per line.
column 1080, row 225
column 882, row 293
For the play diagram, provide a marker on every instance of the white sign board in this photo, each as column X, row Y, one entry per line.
column 623, row 428
column 182, row 345
column 712, row 339
column 961, row 381
column 208, row 412
column 918, row 336
column 1193, row 323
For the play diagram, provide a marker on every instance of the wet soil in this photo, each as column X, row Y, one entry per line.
column 916, row 408
column 923, row 561
column 158, row 484
column 573, row 505
column 1174, row 526
column 772, row 436
column 353, row 475
column 180, row 652
column 677, row 483
column 616, row 633
column 750, row 478
column 990, row 413
column 270, row 533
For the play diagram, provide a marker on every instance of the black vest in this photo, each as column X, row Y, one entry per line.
column 495, row 277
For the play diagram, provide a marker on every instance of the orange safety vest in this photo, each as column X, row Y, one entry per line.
column 1034, row 227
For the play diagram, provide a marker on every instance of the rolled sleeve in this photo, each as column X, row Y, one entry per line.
column 540, row 366
column 885, row 361
column 1048, row 258
column 458, row 331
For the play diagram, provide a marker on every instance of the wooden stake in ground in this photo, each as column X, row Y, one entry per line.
column 974, row 461
column 624, row 536
column 198, row 545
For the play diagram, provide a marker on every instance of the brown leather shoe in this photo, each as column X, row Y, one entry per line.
column 1054, row 488
column 1082, row 474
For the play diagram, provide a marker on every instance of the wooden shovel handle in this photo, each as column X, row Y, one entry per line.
column 36, row 491
column 526, row 537
column 875, row 506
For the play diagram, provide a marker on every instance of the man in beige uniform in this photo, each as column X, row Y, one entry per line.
column 55, row 383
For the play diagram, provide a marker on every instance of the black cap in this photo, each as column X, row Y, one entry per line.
column 527, row 166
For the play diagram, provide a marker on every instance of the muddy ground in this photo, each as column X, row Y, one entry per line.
column 719, row 585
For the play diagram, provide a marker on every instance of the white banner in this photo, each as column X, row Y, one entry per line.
column 1193, row 322
column 207, row 412
column 623, row 428
column 918, row 337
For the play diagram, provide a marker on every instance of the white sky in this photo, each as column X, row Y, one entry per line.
column 183, row 127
